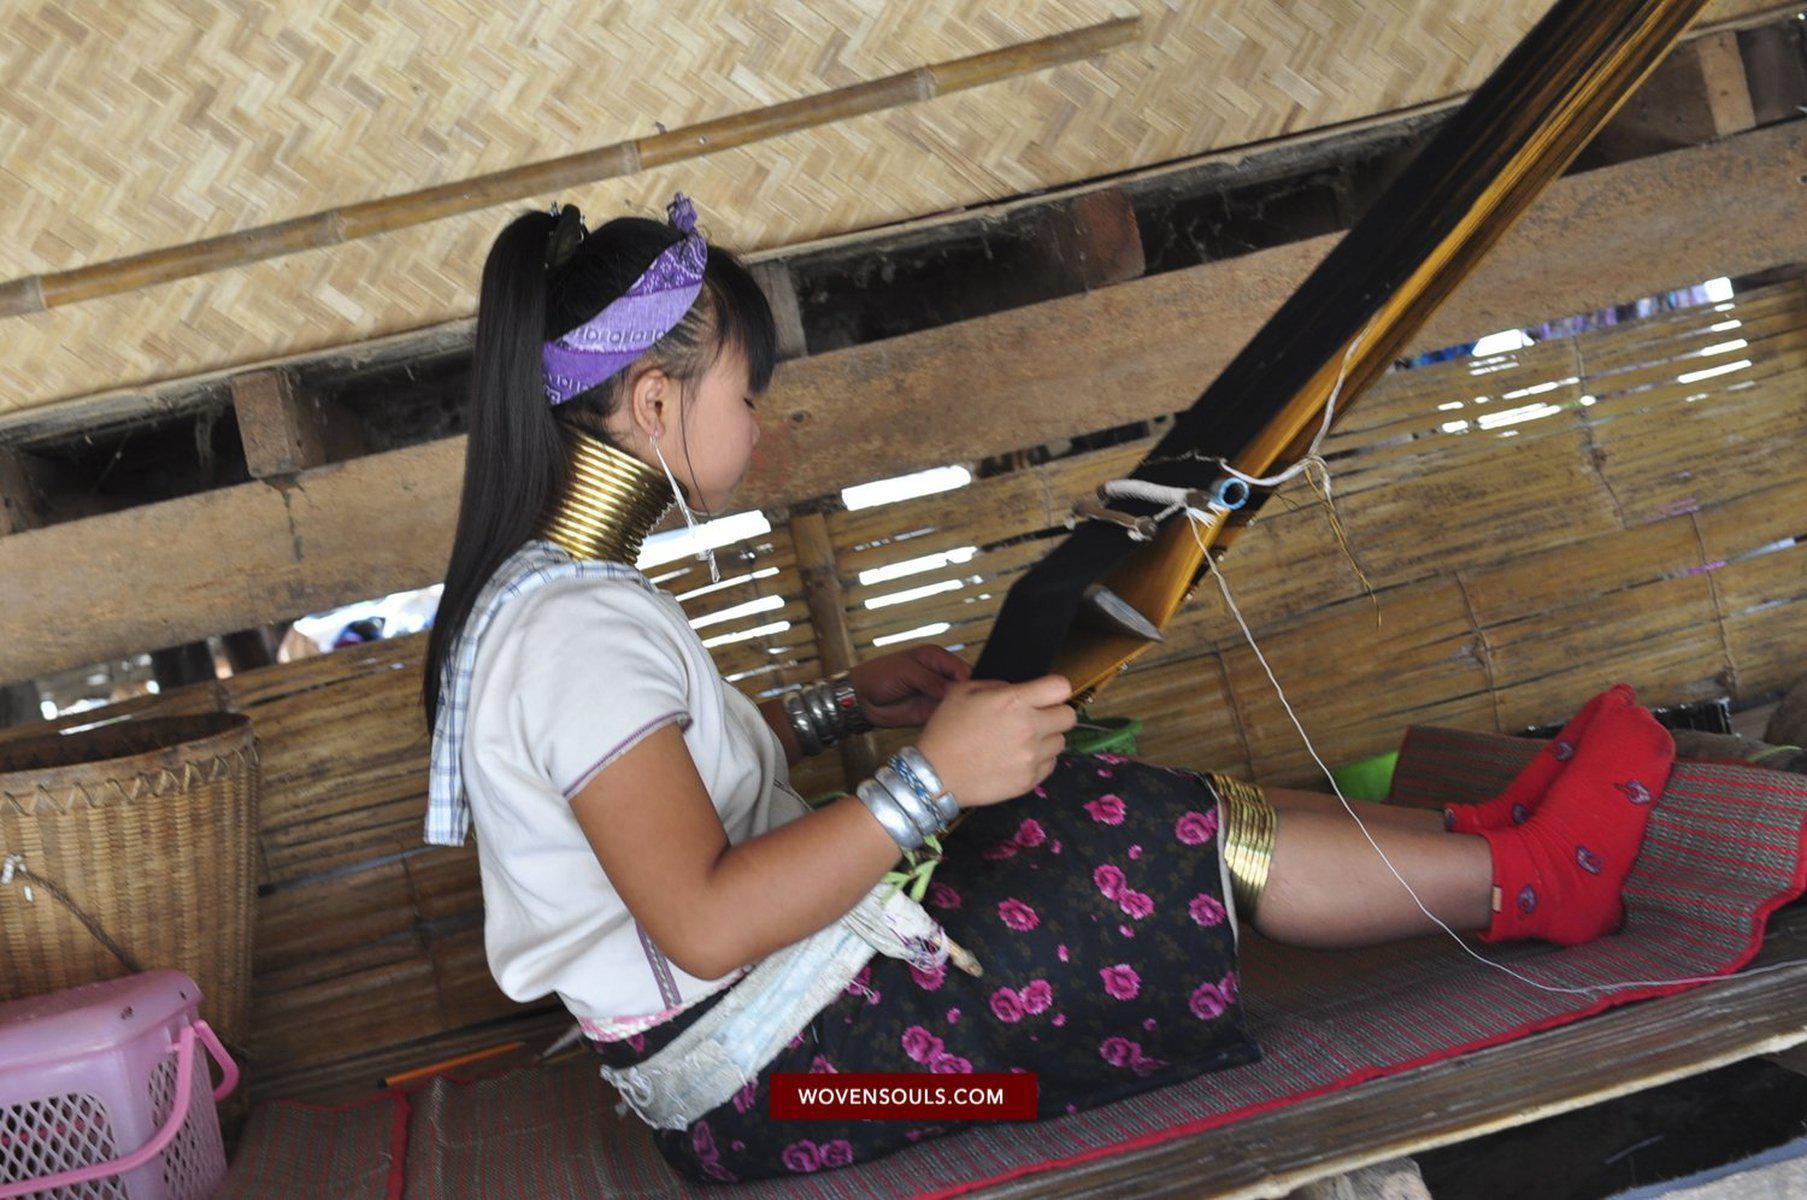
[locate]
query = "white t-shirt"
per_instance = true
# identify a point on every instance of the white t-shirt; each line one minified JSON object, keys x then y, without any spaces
{"x":568,"y":678}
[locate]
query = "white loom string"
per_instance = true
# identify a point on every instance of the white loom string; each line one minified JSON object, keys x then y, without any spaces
{"x":1195,"y":517}
{"x":1175,"y":499}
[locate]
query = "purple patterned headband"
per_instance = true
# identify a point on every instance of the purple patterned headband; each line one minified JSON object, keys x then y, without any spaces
{"x":624,"y":330}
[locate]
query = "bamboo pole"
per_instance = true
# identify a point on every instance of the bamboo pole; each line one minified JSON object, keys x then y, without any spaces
{"x":828,"y":617}
{"x":351,"y":222}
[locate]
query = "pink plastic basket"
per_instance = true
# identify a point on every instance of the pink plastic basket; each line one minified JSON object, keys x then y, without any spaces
{"x":104,"y":1097}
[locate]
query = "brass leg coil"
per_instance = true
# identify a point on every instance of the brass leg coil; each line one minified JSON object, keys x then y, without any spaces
{"x":1248,"y":839}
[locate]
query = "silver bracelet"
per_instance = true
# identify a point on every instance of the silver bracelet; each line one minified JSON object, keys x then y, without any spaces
{"x":801,"y":725}
{"x":846,"y":703}
{"x":821,"y":711}
{"x":928,"y":822}
{"x":913,"y":762}
{"x":825,"y":712}
{"x":891,"y":817}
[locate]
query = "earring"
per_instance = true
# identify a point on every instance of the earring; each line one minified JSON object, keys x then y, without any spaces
{"x":708,"y":552}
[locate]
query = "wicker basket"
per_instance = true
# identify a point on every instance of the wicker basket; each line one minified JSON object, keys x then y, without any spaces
{"x":146,"y":827}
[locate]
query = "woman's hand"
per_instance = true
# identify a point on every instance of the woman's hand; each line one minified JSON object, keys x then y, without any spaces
{"x":990,"y":740}
{"x":905,"y":688}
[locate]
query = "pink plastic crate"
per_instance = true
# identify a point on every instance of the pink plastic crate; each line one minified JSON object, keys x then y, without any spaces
{"x":104,"y":1095}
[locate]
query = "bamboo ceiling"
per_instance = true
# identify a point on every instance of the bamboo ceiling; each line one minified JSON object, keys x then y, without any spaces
{"x":127,"y":129}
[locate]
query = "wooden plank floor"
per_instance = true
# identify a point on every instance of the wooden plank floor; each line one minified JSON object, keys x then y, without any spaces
{"x":1597,"y":1059}
{"x":1602,"y":1057}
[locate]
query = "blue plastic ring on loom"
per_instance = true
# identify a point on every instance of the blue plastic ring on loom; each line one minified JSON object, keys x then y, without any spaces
{"x":1230,"y":492}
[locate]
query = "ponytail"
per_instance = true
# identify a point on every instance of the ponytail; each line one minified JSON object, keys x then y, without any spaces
{"x":514,"y":460}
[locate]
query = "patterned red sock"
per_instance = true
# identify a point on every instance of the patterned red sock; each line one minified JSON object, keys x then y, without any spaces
{"x":1558,"y":876}
{"x":1522,"y":796}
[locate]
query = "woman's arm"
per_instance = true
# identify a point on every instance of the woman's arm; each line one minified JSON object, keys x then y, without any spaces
{"x":775,"y":716}
{"x":712,"y":906}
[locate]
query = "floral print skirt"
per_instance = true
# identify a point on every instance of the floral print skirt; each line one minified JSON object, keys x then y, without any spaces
{"x":1099,"y":909}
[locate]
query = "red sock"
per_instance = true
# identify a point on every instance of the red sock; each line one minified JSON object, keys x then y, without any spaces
{"x":1522,"y":796}
{"x":1558,"y":876}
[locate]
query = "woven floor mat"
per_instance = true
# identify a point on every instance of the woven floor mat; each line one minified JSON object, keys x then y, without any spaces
{"x":1724,"y":849}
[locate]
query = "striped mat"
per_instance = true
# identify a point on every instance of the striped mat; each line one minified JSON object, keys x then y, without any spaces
{"x":1724,"y":849}
{"x":295,"y":1150}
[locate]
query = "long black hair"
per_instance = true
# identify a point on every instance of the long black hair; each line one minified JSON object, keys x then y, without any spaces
{"x":515,"y":462}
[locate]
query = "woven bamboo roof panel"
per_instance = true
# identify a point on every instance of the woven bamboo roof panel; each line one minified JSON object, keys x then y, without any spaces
{"x":128,"y":129}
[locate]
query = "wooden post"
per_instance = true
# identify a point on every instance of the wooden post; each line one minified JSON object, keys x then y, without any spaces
{"x":1093,"y":238}
{"x":1728,"y":91}
{"x":828,"y":614}
{"x":20,"y":509}
{"x":21,"y":505}
{"x":285,"y":430}
{"x":774,"y":279}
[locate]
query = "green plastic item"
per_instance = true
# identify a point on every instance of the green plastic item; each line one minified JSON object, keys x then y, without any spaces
{"x":1111,"y":735}
{"x":1367,"y":779}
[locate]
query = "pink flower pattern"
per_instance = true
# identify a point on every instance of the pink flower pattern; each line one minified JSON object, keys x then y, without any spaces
{"x":929,"y":981}
{"x":1207,"y":910}
{"x":1050,"y":940}
{"x":1121,"y":981}
{"x":1107,"y":809}
{"x":1196,"y":828}
{"x":1136,"y":904}
{"x":1017,"y":915}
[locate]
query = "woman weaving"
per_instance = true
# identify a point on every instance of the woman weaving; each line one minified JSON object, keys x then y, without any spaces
{"x":644,"y":856}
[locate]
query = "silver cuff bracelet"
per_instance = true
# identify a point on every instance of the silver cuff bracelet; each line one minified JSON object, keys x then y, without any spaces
{"x":920,"y":810}
{"x":823,"y":713}
{"x":895,"y":821}
{"x":801,"y":725}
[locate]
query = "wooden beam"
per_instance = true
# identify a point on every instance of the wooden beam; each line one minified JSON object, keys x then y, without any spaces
{"x":258,"y":553}
{"x":286,"y":428}
{"x":1728,"y":92}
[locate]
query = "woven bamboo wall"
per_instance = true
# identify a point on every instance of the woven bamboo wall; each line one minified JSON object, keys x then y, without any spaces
{"x":131,"y":128}
{"x":1639,"y":529}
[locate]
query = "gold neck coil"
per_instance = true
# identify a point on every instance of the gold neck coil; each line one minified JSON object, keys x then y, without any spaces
{"x":610,"y":504}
